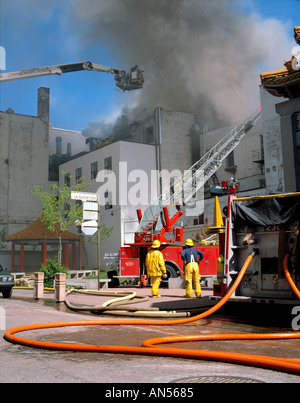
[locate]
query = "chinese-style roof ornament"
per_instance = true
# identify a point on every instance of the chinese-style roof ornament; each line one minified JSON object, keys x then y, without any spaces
{"x":286,"y":82}
{"x":297,"y":35}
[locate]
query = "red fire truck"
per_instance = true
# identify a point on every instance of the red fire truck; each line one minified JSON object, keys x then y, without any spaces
{"x":132,"y":256}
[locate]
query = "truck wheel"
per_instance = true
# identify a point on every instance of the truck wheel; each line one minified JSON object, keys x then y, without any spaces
{"x":171,"y":272}
{"x":7,"y":293}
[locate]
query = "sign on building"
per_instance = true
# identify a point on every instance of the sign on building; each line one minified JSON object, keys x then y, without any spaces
{"x":84,"y":196}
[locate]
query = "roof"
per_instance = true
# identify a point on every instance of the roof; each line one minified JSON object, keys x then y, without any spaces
{"x":297,"y":35}
{"x":38,"y":231}
{"x":284,"y":82}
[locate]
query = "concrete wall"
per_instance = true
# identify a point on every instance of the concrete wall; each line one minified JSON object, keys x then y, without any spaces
{"x":173,"y":133}
{"x":176,"y":144}
{"x":274,"y":169}
{"x":290,"y":158}
{"x":23,"y":164}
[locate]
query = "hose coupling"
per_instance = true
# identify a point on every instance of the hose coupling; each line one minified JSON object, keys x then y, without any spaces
{"x":255,"y":252}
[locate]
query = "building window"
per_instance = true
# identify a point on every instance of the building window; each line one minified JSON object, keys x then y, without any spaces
{"x":149,"y":135}
{"x":78,"y":175}
{"x":108,"y":164}
{"x":94,"y":170}
{"x":230,"y":160}
{"x":67,"y":179}
{"x":297,"y":121}
{"x":67,"y":209}
{"x":199,"y":220}
{"x":108,"y":200}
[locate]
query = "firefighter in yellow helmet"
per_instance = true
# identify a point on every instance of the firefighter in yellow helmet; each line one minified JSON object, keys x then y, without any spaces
{"x":156,"y":268}
{"x":190,"y":258}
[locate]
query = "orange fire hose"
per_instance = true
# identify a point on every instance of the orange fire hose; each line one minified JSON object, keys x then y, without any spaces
{"x":149,"y":346}
{"x":289,"y":277}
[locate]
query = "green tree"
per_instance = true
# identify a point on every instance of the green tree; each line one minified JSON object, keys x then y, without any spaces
{"x":52,"y":267}
{"x":59,"y":213}
{"x":105,"y":233}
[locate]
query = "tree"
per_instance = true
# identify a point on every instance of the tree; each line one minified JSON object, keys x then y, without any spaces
{"x":58,"y":211}
{"x":105,"y":233}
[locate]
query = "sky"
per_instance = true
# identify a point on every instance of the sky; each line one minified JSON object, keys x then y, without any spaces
{"x":198,"y":56}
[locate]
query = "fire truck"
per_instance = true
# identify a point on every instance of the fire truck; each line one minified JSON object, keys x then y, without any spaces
{"x":158,"y":221}
{"x":269,"y":226}
{"x":132,"y":256}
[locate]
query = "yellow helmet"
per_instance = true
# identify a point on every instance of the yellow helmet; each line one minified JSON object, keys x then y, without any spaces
{"x":156,"y":244}
{"x":189,"y":242}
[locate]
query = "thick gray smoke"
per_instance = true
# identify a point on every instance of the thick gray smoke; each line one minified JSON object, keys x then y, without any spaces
{"x":198,"y":56}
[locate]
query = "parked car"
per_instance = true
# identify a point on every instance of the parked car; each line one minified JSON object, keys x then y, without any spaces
{"x":6,"y":282}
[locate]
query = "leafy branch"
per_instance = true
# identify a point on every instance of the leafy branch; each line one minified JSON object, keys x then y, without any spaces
{"x":58,"y":211}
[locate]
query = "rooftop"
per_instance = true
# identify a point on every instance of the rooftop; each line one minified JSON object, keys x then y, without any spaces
{"x":284,"y":82}
{"x":38,"y":231}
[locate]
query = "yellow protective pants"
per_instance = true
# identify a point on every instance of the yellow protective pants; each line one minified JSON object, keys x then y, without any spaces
{"x":192,"y":275}
{"x":155,"y":280}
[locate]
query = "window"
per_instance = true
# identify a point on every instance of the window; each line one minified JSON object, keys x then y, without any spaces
{"x":297,"y":121}
{"x":108,"y":200}
{"x":67,"y":209}
{"x":94,"y":170}
{"x":108,"y":164}
{"x":230,"y":160}
{"x":78,"y":175}
{"x":149,"y":135}
{"x":67,"y":179}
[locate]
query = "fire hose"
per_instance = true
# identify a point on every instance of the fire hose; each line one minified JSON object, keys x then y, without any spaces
{"x":119,"y":306}
{"x":149,"y":347}
{"x":289,"y":277}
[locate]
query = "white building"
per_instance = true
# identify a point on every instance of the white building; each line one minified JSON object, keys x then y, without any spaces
{"x":117,"y":172}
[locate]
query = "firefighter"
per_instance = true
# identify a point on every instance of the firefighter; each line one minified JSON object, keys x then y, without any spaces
{"x":190,"y":258}
{"x":156,"y":268}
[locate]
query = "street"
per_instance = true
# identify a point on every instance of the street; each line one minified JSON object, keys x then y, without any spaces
{"x":22,"y":364}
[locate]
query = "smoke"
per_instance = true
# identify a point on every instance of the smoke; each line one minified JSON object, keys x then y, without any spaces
{"x":198,"y":56}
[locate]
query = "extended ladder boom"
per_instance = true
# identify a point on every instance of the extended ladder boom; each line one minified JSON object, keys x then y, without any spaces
{"x":125,"y":81}
{"x":193,"y":179}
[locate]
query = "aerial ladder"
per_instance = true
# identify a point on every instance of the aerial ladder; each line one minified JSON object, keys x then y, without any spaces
{"x":126,"y":81}
{"x":165,"y":211}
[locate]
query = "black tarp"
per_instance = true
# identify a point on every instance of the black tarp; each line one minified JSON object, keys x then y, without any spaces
{"x":274,"y":211}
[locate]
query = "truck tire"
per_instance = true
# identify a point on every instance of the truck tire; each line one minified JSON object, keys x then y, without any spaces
{"x":171,"y":272}
{"x":7,"y":293}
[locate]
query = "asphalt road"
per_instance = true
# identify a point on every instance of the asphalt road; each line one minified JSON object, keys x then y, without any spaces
{"x":20,"y":364}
